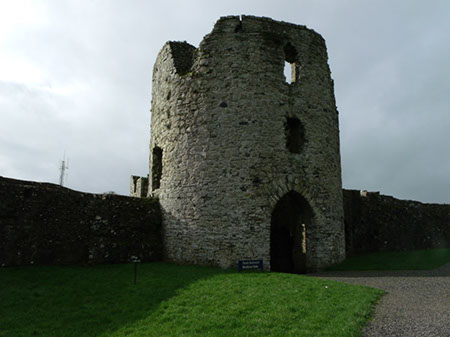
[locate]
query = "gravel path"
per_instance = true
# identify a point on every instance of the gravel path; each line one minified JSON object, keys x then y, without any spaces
{"x":417,"y":303}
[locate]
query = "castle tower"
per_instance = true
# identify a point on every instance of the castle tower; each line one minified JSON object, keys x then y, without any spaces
{"x":245,"y":164}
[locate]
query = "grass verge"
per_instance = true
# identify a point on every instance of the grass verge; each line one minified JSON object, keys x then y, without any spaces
{"x":170,"y":300}
{"x":411,"y":260}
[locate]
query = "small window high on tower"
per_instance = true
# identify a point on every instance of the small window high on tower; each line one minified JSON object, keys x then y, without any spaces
{"x":291,"y":65}
{"x":288,"y":72}
{"x":295,"y":135}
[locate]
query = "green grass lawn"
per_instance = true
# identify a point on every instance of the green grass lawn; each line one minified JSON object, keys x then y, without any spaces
{"x":412,"y":260}
{"x":171,"y":300}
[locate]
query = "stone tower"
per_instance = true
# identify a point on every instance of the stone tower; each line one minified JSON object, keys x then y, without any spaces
{"x":246,"y":164}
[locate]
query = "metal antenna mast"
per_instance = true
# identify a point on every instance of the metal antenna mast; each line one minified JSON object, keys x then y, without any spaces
{"x":63,"y":169}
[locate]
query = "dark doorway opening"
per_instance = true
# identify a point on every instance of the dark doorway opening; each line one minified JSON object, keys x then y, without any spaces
{"x":291,"y":218}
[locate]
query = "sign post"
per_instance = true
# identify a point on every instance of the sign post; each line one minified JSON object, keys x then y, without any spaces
{"x":135,"y":261}
{"x":250,"y":265}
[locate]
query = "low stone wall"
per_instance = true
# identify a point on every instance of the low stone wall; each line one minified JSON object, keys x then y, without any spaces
{"x":42,"y":223}
{"x":377,"y":222}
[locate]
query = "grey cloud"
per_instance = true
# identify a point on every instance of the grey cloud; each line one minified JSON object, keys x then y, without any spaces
{"x":390,"y":62}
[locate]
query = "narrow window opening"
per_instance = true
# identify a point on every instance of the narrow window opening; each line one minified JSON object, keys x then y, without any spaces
{"x":295,"y":135}
{"x":291,"y":64}
{"x":156,"y":167}
{"x":288,"y":72}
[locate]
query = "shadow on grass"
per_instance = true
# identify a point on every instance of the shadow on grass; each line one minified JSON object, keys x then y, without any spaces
{"x":87,"y":301}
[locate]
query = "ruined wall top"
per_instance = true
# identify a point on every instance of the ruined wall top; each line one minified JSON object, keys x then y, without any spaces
{"x":286,"y":41}
{"x":252,"y":24}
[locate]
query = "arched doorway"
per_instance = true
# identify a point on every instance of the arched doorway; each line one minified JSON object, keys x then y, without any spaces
{"x":291,"y":218}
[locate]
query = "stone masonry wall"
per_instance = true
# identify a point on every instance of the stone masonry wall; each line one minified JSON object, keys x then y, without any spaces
{"x":43,"y":223}
{"x":138,"y":186}
{"x":382,"y":223}
{"x":219,"y":159}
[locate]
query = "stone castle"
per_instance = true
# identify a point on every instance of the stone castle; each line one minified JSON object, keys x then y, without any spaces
{"x":246,"y":165}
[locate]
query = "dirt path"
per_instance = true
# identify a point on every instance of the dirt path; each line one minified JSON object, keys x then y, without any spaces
{"x":417,"y":303}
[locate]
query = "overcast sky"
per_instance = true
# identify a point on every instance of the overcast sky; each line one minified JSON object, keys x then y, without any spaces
{"x":75,"y":77}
